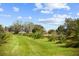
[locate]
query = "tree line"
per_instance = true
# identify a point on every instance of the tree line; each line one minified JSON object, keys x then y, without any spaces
{"x":67,"y":33}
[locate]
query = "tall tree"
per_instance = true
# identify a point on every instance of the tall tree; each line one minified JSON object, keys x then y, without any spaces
{"x":71,"y":28}
{"x":17,"y":26}
{"x":51,"y":31}
{"x":1,"y":34}
{"x":38,"y":28}
{"x":28,"y":26}
{"x":38,"y":31}
{"x":61,"y":33}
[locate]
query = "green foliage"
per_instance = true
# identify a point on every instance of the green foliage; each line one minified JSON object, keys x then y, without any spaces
{"x":1,"y":38}
{"x":37,"y":35}
{"x":51,"y":31}
{"x":28,"y":27}
{"x":4,"y":37}
{"x":61,"y":38}
{"x":72,"y":32}
{"x":60,"y":29}
{"x":50,"y":38}
{"x":1,"y":29}
{"x":61,"y":34}
{"x":1,"y":34}
{"x":29,"y":47}
{"x":38,"y":28}
{"x":28,"y":34}
{"x":69,"y":32}
{"x":37,"y":31}
{"x":16,"y":27}
{"x":7,"y":36}
{"x":71,"y":43}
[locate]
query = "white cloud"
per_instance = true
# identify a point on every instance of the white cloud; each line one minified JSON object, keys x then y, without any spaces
{"x":57,"y":19}
{"x":15,"y":9}
{"x":77,"y":14}
{"x":19,"y":17}
{"x":49,"y":7}
{"x":5,"y":15}
{"x":38,"y":6}
{"x":58,"y":6}
{"x":46,"y":11}
{"x":24,"y":17}
{"x":29,"y":17}
{"x":1,"y":9}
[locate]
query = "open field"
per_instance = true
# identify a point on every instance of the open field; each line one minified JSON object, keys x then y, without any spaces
{"x":39,"y":29}
{"x":25,"y":46}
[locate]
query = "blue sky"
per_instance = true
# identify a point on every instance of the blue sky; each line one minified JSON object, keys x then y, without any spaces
{"x":49,"y":15}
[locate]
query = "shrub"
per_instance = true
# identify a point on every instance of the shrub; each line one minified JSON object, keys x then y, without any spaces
{"x":29,"y":34}
{"x":4,"y":37}
{"x":73,"y":44}
{"x":24,"y":34}
{"x":1,"y":38}
{"x":58,"y":41}
{"x":7,"y":35}
{"x":37,"y":35}
{"x":50,"y":38}
{"x":61,"y":38}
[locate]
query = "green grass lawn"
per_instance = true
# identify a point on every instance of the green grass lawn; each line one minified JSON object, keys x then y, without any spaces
{"x":25,"y":46}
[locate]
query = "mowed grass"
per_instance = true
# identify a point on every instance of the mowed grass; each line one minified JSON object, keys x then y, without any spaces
{"x":26,"y":46}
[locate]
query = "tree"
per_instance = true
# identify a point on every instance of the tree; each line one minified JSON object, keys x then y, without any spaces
{"x":38,"y":28}
{"x":1,"y":34}
{"x":4,"y":35}
{"x":6,"y":28}
{"x":52,"y":35}
{"x":28,"y":27}
{"x":1,"y":29}
{"x":61,"y":33}
{"x":51,"y":31}
{"x":71,"y":31}
{"x":38,"y":31}
{"x":11,"y":28}
{"x":77,"y":28}
{"x":71,"y":26}
{"x":16,"y":27}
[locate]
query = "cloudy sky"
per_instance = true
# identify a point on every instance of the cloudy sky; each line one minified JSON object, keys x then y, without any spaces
{"x":49,"y":15}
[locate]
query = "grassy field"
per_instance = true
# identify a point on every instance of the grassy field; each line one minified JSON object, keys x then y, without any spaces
{"x":25,"y":46}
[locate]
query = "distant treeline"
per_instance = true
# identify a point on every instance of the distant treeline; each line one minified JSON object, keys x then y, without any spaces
{"x":67,"y":33}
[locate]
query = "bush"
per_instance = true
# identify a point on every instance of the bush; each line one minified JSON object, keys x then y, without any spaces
{"x":7,"y":36}
{"x":37,"y":35}
{"x":61,"y":38}
{"x":1,"y":38}
{"x":73,"y":44}
{"x":28,"y":34}
{"x":58,"y":41}
{"x":4,"y":37}
{"x":50,"y":38}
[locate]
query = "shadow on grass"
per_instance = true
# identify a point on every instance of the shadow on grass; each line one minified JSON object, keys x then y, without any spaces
{"x":74,"y":50}
{"x":67,"y":46}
